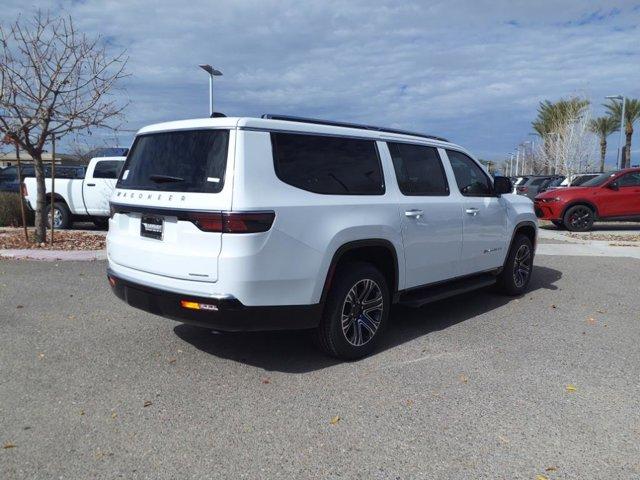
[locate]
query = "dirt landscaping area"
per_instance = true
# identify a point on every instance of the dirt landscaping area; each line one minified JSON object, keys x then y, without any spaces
{"x":13,"y":238}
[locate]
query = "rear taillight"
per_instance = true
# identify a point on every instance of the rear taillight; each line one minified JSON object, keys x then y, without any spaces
{"x":233,"y":222}
{"x":23,"y":190}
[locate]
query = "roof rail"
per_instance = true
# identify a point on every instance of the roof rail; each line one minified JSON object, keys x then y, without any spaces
{"x":291,"y":118}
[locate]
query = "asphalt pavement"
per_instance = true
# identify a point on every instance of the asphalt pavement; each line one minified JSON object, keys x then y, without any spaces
{"x":477,"y":386}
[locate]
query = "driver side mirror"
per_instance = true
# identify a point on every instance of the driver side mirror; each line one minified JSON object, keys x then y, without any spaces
{"x":502,"y":185}
{"x":614,"y":186}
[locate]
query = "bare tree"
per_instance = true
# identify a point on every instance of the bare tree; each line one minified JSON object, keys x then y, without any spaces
{"x":54,"y":81}
{"x":570,"y":145}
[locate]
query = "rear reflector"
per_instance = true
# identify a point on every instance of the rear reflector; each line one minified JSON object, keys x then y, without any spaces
{"x":233,"y":222}
{"x":197,"y":306}
{"x":112,"y":281}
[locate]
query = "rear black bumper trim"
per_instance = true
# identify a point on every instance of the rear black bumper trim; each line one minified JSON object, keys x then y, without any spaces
{"x":231,"y":315}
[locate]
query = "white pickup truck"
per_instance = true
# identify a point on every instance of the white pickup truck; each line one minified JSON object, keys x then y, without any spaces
{"x":86,"y":197}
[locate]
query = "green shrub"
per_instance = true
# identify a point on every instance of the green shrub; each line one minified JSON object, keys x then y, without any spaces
{"x":10,"y":210}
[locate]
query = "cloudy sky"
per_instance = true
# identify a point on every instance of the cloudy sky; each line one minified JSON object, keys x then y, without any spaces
{"x":472,"y":71}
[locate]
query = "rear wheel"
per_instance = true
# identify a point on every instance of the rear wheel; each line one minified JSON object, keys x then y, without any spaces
{"x":516,"y":273}
{"x":356,"y":312}
{"x":579,"y":218}
{"x":61,"y":216}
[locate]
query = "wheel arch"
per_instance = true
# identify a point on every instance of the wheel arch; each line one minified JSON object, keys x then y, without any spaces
{"x":56,"y":198}
{"x":378,"y":251}
{"x":526,"y":227}
{"x":574,"y":203}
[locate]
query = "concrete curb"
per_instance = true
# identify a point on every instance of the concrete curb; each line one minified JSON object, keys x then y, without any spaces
{"x":55,"y":255}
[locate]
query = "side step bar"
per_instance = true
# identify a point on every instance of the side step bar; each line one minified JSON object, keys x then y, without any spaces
{"x":428,"y":294}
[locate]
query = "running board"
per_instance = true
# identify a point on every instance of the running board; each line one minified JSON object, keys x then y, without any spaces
{"x":422,"y":296}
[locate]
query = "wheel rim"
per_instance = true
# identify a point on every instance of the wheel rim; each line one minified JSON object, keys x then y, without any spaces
{"x":57,"y":218}
{"x":522,"y":266}
{"x":362,"y":312}
{"x":580,"y":218}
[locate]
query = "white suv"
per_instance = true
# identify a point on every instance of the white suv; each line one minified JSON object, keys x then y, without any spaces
{"x":283,"y":222}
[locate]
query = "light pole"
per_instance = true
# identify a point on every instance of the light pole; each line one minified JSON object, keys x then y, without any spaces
{"x":212,"y":73}
{"x":620,"y":149}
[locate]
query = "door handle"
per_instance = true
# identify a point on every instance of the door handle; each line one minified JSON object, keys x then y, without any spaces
{"x":472,"y":211}
{"x":91,"y":184}
{"x":415,"y":213}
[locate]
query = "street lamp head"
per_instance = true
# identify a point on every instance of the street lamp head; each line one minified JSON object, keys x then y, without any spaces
{"x":615,"y":97}
{"x":210,"y":70}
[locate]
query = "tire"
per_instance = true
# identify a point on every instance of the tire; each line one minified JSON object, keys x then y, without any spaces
{"x":579,"y":218}
{"x":558,"y":223}
{"x":354,"y":283}
{"x":62,"y":216}
{"x":516,"y":273}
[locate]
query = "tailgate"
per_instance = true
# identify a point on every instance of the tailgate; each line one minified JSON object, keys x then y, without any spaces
{"x":171,"y":183}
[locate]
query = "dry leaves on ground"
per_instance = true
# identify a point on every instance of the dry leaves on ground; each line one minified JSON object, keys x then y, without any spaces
{"x":13,"y":239}
{"x":334,"y":420}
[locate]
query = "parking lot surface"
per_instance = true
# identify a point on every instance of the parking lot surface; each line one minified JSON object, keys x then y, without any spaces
{"x":477,"y":386}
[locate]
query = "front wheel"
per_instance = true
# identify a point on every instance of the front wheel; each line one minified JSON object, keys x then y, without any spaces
{"x":516,"y":273}
{"x":61,"y":216}
{"x":579,"y":218}
{"x":356,"y":312}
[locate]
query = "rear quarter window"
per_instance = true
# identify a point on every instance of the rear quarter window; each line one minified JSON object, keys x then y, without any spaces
{"x":328,"y":165}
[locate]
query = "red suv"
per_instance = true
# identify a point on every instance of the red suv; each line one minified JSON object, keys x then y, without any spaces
{"x":609,"y":196}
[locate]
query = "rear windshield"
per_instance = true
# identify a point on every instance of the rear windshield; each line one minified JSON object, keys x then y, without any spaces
{"x":582,"y":180}
{"x":182,"y":161}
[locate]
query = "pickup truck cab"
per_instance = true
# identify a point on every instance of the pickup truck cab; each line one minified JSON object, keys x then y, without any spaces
{"x":280,"y":222}
{"x":75,"y":198}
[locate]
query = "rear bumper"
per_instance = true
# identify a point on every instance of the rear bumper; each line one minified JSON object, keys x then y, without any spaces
{"x":230,"y":314}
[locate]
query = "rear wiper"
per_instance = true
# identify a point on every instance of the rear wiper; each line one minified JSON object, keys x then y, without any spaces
{"x":165,"y":178}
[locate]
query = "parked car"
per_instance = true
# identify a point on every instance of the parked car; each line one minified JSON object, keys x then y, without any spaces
{"x":9,"y":181}
{"x":288,"y":223}
{"x":551,"y":183}
{"x":86,"y":196}
{"x":530,"y":185}
{"x":609,"y":196}
{"x":578,"y":179}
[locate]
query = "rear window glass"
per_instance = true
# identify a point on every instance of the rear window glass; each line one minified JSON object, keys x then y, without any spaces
{"x":328,"y":165}
{"x":182,"y":161}
{"x":538,"y":181}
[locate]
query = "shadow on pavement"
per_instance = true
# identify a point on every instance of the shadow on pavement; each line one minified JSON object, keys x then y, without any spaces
{"x":294,"y":351}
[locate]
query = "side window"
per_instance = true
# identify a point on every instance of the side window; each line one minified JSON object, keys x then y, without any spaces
{"x":471,"y":179}
{"x":630,"y":180}
{"x":108,"y":169}
{"x":328,"y":165}
{"x":418,"y":169}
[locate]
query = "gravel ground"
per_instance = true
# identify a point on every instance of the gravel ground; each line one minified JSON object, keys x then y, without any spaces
{"x":479,"y":386}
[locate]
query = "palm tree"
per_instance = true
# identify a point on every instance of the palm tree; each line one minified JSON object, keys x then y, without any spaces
{"x":631,"y":115}
{"x":553,"y":116}
{"x":603,"y":127}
